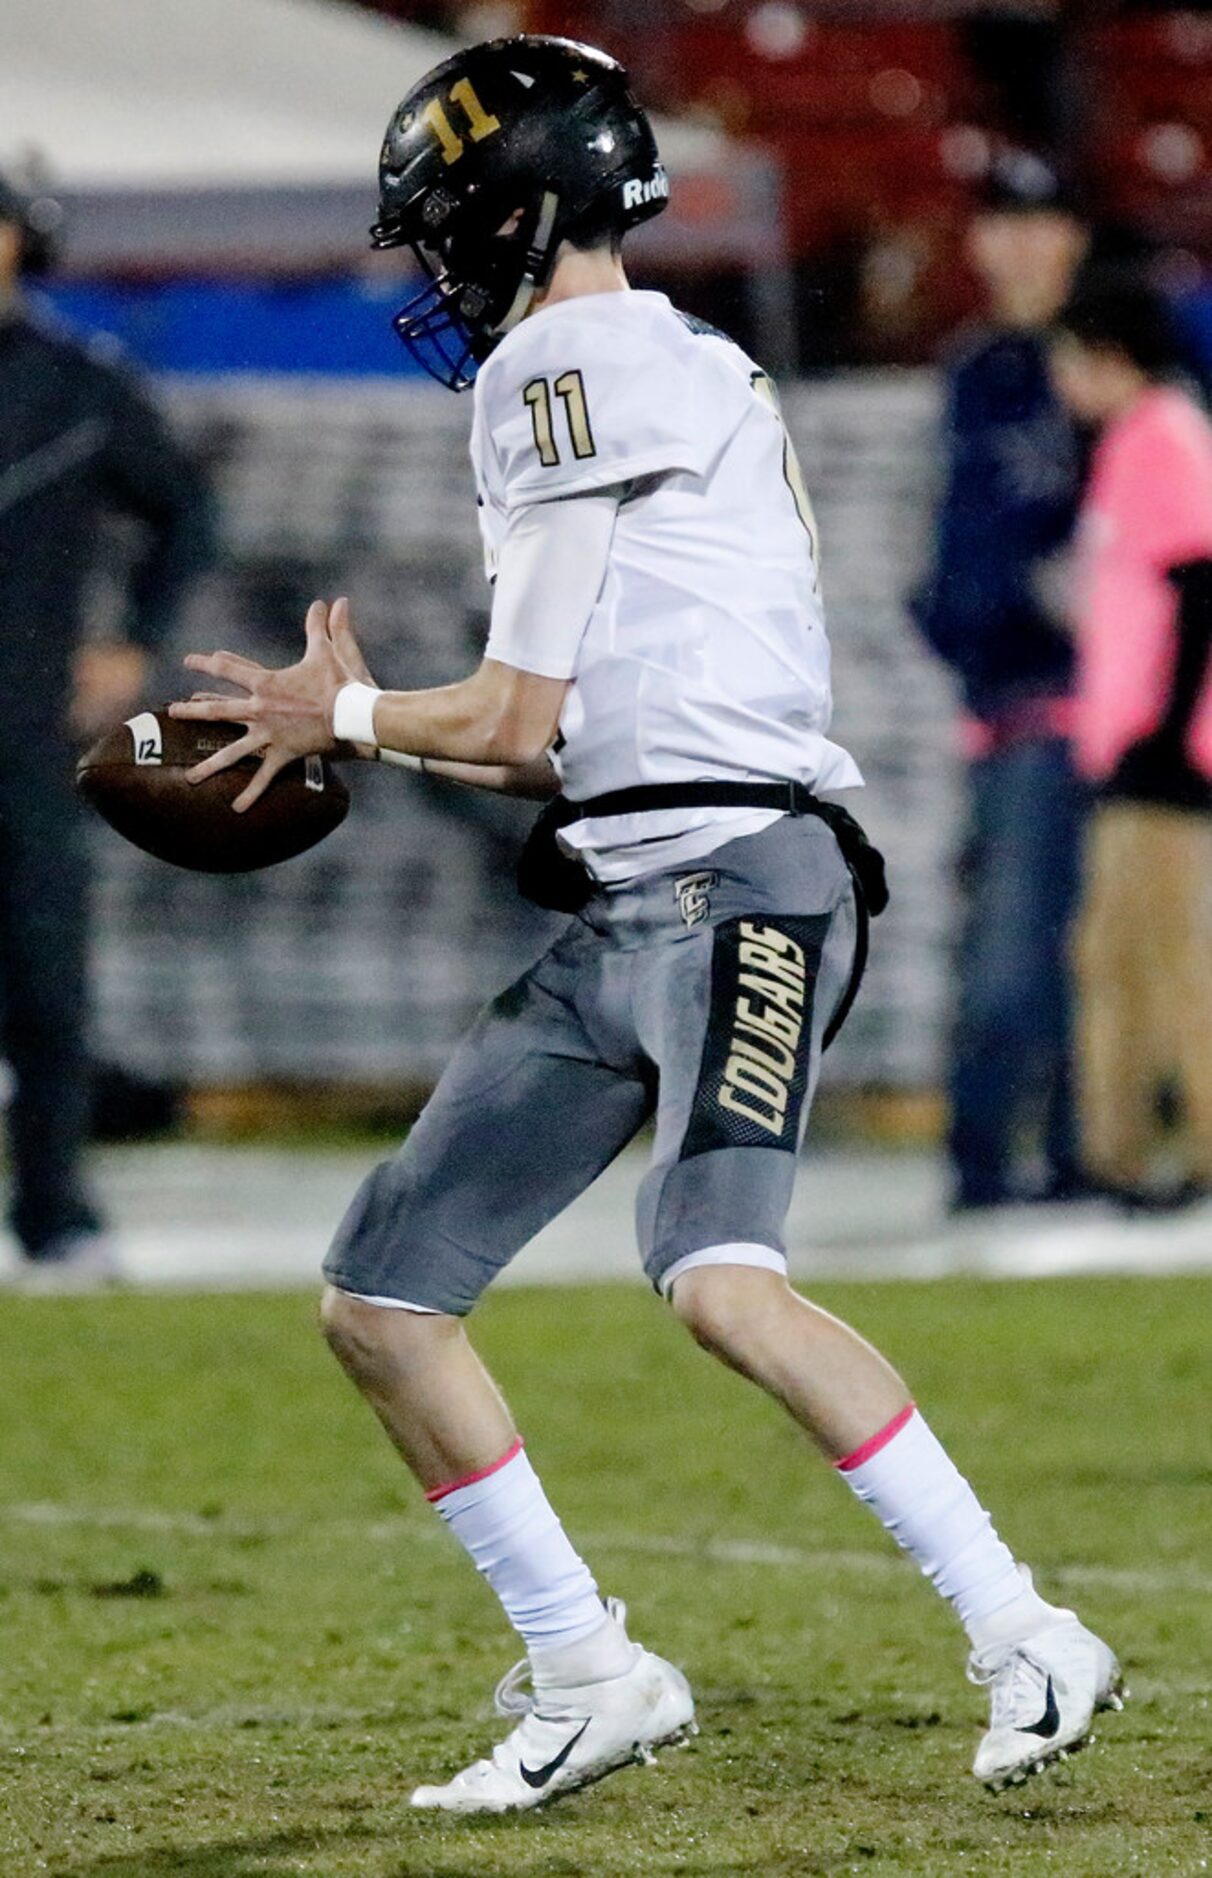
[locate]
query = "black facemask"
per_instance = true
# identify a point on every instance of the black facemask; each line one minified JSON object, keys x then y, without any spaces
{"x":435,"y":335}
{"x":479,"y":286}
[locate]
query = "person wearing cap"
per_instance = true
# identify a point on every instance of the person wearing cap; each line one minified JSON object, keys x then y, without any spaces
{"x":992,"y":608}
{"x":79,"y":442}
{"x":1142,"y":737}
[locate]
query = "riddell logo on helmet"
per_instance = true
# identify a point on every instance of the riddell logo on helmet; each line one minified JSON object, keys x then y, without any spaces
{"x":638,"y":190}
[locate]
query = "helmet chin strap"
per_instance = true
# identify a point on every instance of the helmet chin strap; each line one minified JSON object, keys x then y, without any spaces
{"x":538,"y":259}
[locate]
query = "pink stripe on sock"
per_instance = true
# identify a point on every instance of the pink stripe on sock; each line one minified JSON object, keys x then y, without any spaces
{"x":481,"y":1473}
{"x":876,"y":1442}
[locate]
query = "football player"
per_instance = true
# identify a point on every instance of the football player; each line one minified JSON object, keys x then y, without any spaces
{"x":658,"y":653}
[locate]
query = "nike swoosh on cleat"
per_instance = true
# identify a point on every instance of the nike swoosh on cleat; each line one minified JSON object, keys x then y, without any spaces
{"x":1049,"y":1721}
{"x":538,"y":1777}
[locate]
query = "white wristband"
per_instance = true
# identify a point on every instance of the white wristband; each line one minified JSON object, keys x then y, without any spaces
{"x":353,"y":714}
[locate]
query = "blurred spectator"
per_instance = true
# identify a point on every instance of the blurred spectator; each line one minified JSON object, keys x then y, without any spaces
{"x":992,"y":612}
{"x":78,"y":442}
{"x":1143,"y":734}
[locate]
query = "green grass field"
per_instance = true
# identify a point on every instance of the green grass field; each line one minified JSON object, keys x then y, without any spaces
{"x":232,"y":1637}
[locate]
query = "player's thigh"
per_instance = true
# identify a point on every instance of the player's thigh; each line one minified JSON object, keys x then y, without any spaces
{"x":737,"y":1015}
{"x":524,"y":1118}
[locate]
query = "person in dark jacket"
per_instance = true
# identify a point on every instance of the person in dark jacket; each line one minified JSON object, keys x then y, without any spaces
{"x":78,"y":442}
{"x":992,"y":609}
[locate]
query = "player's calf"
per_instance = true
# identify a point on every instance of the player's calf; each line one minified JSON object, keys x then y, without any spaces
{"x":835,"y":1385}
{"x":425,"y":1383}
{"x":1047,"y":1673}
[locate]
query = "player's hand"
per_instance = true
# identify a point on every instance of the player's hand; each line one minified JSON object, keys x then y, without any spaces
{"x":287,"y":714}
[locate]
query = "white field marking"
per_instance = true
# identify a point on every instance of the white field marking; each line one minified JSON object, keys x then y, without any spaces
{"x":226,"y":1715}
{"x":204,"y":1526}
{"x":726,"y":1552}
{"x":140,"y":1519}
{"x":801,"y":1558}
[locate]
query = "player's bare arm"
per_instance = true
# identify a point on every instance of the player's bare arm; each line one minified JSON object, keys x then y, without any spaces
{"x":500,"y":716}
{"x":493,"y":728}
{"x":536,"y":781}
{"x":533,"y":782}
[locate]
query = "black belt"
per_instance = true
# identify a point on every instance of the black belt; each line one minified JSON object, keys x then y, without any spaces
{"x":865,"y":863}
{"x":791,"y":797}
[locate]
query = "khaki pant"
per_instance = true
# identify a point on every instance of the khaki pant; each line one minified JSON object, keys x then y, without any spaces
{"x":1144,"y":975}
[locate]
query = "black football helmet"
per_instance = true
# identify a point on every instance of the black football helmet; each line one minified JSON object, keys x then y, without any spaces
{"x":538,"y":136}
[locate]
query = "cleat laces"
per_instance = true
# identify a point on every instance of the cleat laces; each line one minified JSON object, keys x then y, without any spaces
{"x":511,"y":1696}
{"x":1016,"y":1685}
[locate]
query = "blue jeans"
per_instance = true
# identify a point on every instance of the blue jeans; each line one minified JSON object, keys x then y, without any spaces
{"x":1011,"y":1050}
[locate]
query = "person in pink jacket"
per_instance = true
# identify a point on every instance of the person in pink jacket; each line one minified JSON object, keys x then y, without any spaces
{"x":1143,"y":739}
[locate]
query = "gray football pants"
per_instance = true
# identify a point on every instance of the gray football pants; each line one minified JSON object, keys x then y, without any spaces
{"x":698,"y":996}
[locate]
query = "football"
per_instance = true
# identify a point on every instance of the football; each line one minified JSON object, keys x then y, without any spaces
{"x":135,"y":777}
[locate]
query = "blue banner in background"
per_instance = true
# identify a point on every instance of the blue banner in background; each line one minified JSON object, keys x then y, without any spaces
{"x":1195,"y":324}
{"x":339,"y":327}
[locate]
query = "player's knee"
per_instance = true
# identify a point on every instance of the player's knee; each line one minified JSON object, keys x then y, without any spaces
{"x":719,"y":1303}
{"x":344,"y":1330}
{"x":371,"y":1341}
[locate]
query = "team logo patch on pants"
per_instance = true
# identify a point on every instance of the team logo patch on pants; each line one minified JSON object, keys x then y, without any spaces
{"x":758,"y":1047}
{"x":693,"y":895}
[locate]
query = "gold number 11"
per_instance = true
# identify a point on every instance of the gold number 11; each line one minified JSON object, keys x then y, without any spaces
{"x":480,"y":122}
{"x":570,"y":387}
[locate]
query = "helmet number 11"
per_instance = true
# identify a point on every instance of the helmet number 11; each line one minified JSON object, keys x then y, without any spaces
{"x":480,"y":122}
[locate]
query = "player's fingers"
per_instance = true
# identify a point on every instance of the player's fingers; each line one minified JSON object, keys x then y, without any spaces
{"x":230,"y":665}
{"x":217,"y":710}
{"x":230,"y":754}
{"x":271,"y":764}
{"x":207,"y":710}
{"x":316,"y":624}
{"x":346,"y":647}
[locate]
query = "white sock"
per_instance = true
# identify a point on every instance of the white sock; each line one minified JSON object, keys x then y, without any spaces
{"x":907,"y":1479}
{"x":505,"y":1522}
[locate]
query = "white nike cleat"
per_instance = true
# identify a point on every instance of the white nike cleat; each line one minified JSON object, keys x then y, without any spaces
{"x":570,"y":1737}
{"x":1044,"y":1693}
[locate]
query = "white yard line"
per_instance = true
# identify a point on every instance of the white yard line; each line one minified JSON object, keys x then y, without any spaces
{"x":1154,"y":1581}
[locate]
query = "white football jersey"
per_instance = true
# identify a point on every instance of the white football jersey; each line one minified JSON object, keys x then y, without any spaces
{"x":705,"y":654}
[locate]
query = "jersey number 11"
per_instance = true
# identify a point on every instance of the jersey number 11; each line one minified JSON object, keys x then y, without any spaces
{"x":570,"y":389}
